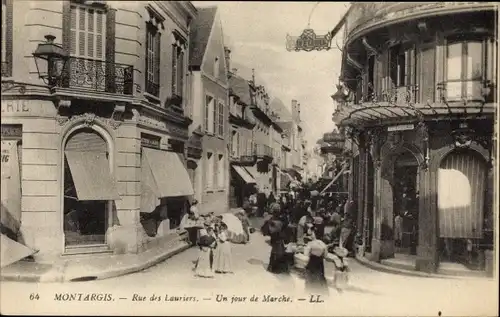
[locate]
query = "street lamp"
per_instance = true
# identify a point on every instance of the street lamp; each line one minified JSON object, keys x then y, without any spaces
{"x":340,"y":96}
{"x":50,"y":60}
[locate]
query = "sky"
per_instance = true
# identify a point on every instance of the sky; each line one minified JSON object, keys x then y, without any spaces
{"x":256,"y":34}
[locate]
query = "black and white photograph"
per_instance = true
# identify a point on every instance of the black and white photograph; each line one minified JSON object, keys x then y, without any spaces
{"x":249,"y":158}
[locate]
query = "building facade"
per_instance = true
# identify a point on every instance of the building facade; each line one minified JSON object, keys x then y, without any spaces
{"x":417,"y":103}
{"x":104,"y":130}
{"x":210,"y":104}
{"x":242,"y":148}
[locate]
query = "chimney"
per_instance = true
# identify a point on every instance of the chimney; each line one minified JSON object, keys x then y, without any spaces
{"x":227,"y":58}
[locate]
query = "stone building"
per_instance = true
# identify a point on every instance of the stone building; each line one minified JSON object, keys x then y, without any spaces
{"x":208,"y":149}
{"x":417,"y":100}
{"x":99,"y":121}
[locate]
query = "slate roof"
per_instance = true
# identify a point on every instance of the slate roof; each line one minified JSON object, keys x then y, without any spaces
{"x":279,"y":107}
{"x":240,"y":88}
{"x":200,"y":32}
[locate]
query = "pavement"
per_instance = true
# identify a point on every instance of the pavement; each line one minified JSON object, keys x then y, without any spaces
{"x":94,"y":267}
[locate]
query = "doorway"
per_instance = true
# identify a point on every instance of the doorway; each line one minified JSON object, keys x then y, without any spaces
{"x":85,"y":218}
{"x":462,"y":178}
{"x":405,"y":202}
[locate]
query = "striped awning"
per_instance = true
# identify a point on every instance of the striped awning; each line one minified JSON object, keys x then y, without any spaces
{"x":91,"y":176}
{"x":244,"y":174}
{"x":170,"y":176}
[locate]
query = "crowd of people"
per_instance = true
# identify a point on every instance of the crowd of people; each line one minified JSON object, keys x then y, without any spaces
{"x":296,"y":225}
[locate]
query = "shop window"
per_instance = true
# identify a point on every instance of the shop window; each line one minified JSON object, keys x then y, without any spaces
{"x":465,"y":64}
{"x":89,"y":189}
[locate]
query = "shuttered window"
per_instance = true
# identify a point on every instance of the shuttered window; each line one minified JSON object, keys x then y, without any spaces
{"x":153,"y":42}
{"x":88,"y":32}
{"x":209,"y":114}
{"x":215,"y":117}
{"x":177,"y":70}
{"x":427,"y":72}
{"x":221,"y":119}
{"x":7,"y":18}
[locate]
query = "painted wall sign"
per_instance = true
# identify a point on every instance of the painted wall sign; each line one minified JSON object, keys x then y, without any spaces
{"x":157,"y":122}
{"x":151,"y":141}
{"x":402,"y":127}
{"x":12,"y":131}
{"x":309,"y":41}
{"x":15,"y":106}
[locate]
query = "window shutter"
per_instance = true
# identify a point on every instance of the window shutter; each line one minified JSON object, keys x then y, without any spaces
{"x":215,"y":115}
{"x":81,"y":32}
{"x":174,"y":69}
{"x":427,"y":63}
{"x":157,"y":58}
{"x":8,"y":33}
{"x":180,"y":71}
{"x":148,"y":57}
{"x":111,"y":78}
{"x":207,"y":103}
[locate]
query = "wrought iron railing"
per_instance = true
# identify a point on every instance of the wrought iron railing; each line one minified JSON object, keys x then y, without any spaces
{"x":466,"y":90}
{"x":5,"y":69}
{"x":97,"y":76}
{"x":396,"y":95}
{"x":262,"y":150}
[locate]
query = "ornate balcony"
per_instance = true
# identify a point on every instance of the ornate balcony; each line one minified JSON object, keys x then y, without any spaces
{"x":97,"y":76}
{"x":243,"y":157}
{"x":264,"y":151}
{"x":466,"y":91}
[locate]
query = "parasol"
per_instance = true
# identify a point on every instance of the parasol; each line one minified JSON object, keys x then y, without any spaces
{"x":13,"y":251}
{"x":234,"y":228}
{"x":314,"y":193}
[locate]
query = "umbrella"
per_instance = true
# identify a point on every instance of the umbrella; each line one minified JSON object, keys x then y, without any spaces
{"x":314,"y":193}
{"x":234,"y":228}
{"x":13,"y":251}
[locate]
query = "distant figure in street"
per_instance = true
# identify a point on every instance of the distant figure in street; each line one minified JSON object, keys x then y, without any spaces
{"x":398,"y":230}
{"x":222,"y":255}
{"x":271,"y":199}
{"x":261,"y":203}
{"x":302,"y":227}
{"x":276,"y":229}
{"x":347,"y":223}
{"x":316,"y":282}
{"x":245,"y":222}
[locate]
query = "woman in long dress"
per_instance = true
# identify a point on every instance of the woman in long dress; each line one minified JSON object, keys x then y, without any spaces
{"x":222,"y":255}
{"x":206,"y":243}
{"x":277,"y":261}
{"x":316,"y":282}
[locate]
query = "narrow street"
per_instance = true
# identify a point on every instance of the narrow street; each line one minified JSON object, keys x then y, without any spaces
{"x":368,"y":291}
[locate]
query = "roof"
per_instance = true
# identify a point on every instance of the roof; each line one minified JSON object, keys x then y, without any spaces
{"x":200,"y":32}
{"x":240,"y":88}
{"x":279,"y":107}
{"x":287,"y":126}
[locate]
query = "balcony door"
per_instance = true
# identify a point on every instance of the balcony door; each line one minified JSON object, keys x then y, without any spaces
{"x":87,"y":63}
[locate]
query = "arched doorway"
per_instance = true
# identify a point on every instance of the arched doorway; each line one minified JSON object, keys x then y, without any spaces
{"x":89,"y":189}
{"x":462,"y":183}
{"x":405,"y":203}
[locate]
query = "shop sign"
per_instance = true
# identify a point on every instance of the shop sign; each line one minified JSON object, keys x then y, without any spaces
{"x":401,"y":127}
{"x":12,"y":131}
{"x":150,"y":141}
{"x":15,"y":106}
{"x":308,"y":41}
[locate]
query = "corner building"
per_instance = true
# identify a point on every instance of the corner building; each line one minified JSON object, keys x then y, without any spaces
{"x":417,"y":102}
{"x":101,"y":150}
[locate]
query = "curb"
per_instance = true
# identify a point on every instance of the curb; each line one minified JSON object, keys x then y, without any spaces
{"x":392,"y":270}
{"x":59,"y":276}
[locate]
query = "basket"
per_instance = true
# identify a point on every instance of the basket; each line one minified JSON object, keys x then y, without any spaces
{"x":300,"y":260}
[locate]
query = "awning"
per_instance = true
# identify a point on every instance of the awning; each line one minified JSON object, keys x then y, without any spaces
{"x":12,"y":251}
{"x":244,"y":174}
{"x":344,"y":168}
{"x":170,"y":177}
{"x":92,"y":176}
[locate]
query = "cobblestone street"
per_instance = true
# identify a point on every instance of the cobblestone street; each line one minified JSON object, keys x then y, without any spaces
{"x":369,"y":291}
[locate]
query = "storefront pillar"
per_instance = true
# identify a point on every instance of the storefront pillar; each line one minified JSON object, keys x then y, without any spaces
{"x":361,"y":188}
{"x":377,"y":215}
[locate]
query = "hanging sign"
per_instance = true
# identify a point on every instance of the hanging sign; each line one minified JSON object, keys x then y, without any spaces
{"x":402,"y":127}
{"x":151,"y":141}
{"x":308,"y":41}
